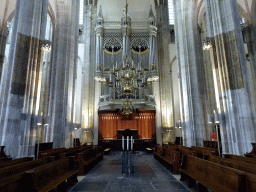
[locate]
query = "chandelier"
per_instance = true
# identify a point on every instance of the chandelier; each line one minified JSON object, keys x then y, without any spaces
{"x":127,"y":107}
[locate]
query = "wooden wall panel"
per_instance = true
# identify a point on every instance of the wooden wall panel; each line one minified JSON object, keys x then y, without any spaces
{"x":144,"y":122}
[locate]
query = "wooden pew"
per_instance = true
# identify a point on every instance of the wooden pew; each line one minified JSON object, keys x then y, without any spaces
{"x":15,"y":161}
{"x":248,"y":168}
{"x":14,"y":169}
{"x":107,"y":151}
{"x":243,"y":166}
{"x":3,"y":159}
{"x":240,"y":158}
{"x":49,"y":176}
{"x":204,"y":151}
{"x":253,"y":156}
{"x":12,"y":177}
{"x":88,"y":158}
{"x":169,"y":156}
{"x":71,"y":152}
{"x":12,"y":183}
{"x":212,"y":175}
{"x":253,"y":152}
{"x":2,"y":153}
{"x":186,"y":150}
{"x":52,"y":152}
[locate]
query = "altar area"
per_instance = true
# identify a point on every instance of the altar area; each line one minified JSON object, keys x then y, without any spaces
{"x":114,"y":125}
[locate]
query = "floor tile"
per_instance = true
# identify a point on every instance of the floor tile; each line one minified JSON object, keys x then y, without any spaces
{"x":149,"y":175}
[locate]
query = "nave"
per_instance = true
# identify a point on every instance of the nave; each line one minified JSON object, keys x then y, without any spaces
{"x":149,"y":175}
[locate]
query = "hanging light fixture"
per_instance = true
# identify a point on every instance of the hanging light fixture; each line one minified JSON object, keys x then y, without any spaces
{"x":127,"y":107}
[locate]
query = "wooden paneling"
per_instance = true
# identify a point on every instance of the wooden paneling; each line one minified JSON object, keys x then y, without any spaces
{"x":144,"y":122}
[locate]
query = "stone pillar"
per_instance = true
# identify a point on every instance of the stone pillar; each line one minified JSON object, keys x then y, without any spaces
{"x":250,"y":58}
{"x":99,"y":29}
{"x":235,"y":101}
{"x":163,"y":40}
{"x":3,"y":34}
{"x":63,"y":74}
{"x":19,"y":86}
{"x":191,"y":73}
{"x":88,"y":87}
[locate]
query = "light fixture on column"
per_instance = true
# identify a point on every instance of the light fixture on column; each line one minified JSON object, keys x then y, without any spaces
{"x":46,"y":46}
{"x":216,"y":117}
{"x":207,"y":44}
{"x":209,"y":118}
{"x":180,"y":124}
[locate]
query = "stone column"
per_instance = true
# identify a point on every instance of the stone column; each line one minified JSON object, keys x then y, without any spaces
{"x":233,"y":81}
{"x":99,"y":29}
{"x":62,"y":73}
{"x":250,"y":58}
{"x":88,"y":87}
{"x":3,"y":34}
{"x":19,"y":86}
{"x":163,"y":40}
{"x":191,"y":73}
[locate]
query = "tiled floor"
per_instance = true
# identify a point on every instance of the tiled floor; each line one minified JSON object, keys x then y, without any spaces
{"x":148,"y":176}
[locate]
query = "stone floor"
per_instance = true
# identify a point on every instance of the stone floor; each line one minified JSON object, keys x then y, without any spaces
{"x":149,"y":175}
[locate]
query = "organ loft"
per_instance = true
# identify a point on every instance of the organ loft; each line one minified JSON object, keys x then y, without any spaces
{"x":110,"y":87}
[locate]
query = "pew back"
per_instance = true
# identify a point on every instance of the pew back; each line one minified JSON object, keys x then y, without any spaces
{"x":240,"y":158}
{"x":48,"y":176}
{"x":212,"y":175}
{"x":16,"y":161}
{"x":14,"y":169}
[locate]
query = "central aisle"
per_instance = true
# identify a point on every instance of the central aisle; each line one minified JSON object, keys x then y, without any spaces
{"x":148,"y":176}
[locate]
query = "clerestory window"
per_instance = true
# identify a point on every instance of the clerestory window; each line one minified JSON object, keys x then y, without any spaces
{"x":171,"y":12}
{"x":81,"y":12}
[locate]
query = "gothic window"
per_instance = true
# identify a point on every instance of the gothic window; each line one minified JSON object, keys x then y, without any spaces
{"x":81,"y":12}
{"x":171,"y":12}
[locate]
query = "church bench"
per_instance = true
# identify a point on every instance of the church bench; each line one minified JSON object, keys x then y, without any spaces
{"x":14,"y":169}
{"x":149,"y":150}
{"x":71,"y":152}
{"x":248,"y":168}
{"x":211,"y":144}
{"x":240,"y":158}
{"x":243,"y":166}
{"x":12,"y":183}
{"x":52,"y":175}
{"x":106,"y":151}
{"x":88,"y":158}
{"x":211,"y":175}
{"x":186,"y":150}
{"x":52,"y":152}
{"x":3,"y":159}
{"x":253,"y":156}
{"x":15,"y":161}
{"x":202,"y":151}
{"x":168,"y":156}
